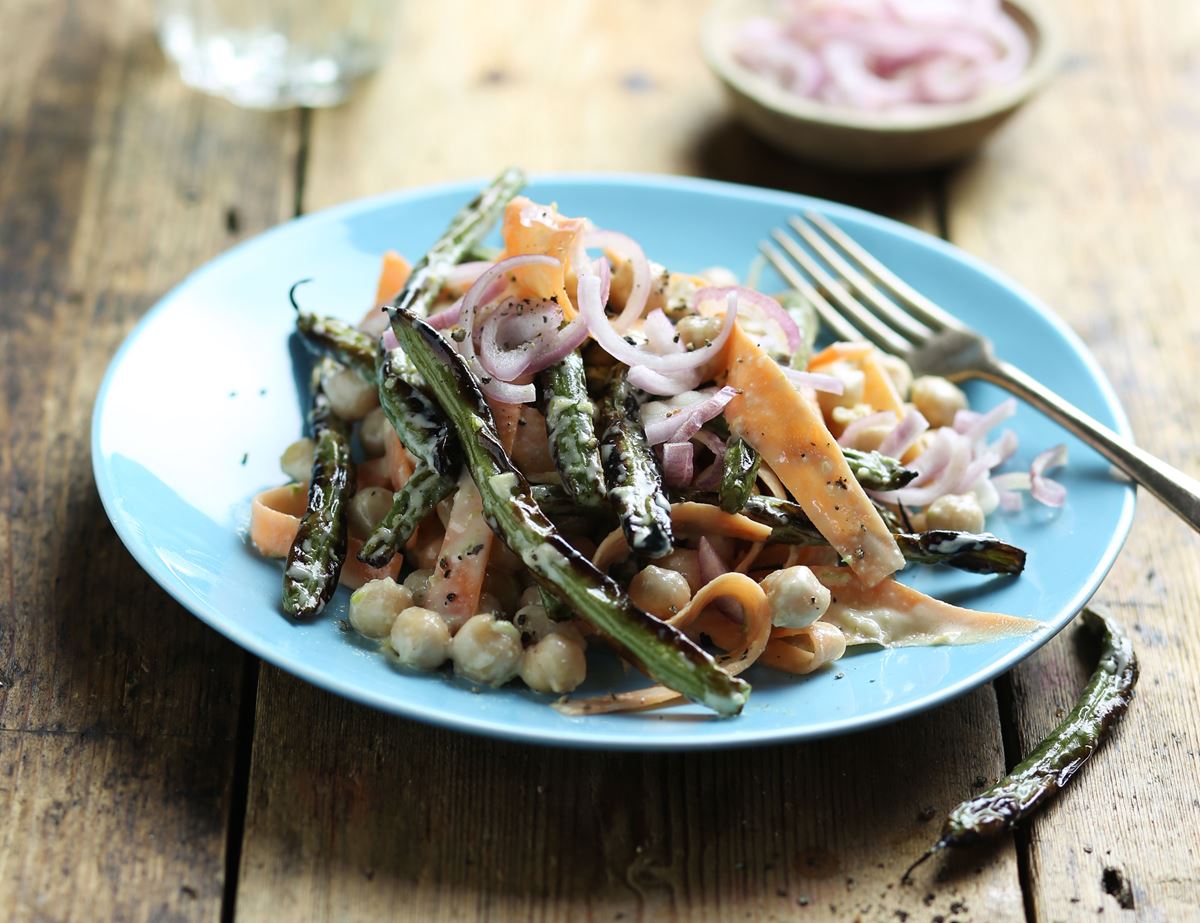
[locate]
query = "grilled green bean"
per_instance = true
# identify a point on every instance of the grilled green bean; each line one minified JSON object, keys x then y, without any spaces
{"x":573,"y":443}
{"x":739,"y":469}
{"x":877,"y":472}
{"x":466,"y":230}
{"x":508,"y":504}
{"x":410,"y":504}
{"x":634,"y":483}
{"x":1052,"y":764}
{"x":976,"y":553}
{"x":318,"y":552}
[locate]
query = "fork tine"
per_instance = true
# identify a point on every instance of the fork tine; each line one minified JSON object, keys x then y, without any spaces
{"x":900,"y":290}
{"x":868,"y":326}
{"x":884,"y":308}
{"x":842,"y":329}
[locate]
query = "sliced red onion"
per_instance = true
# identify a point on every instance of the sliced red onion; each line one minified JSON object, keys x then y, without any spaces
{"x":893,"y":55}
{"x":525,"y":328}
{"x":988,"y":458}
{"x":710,"y":441}
{"x":1043,"y":489}
{"x":663,"y":385}
{"x":940,"y":471}
{"x":965,"y":419}
{"x":1010,"y":501}
{"x":908,"y":431}
{"x":465,"y":274}
{"x":1012,"y":480}
{"x":710,"y":477}
{"x":677,"y":461}
{"x":660,"y":333}
{"x":627,"y":249}
{"x":681,"y":426}
{"x":710,"y":562}
{"x":389,"y":340}
{"x":852,"y":430}
{"x":485,"y":288}
{"x":448,"y":317}
{"x":818,"y":381}
{"x":768,"y":307}
{"x":615,"y":345}
{"x":980,"y":427}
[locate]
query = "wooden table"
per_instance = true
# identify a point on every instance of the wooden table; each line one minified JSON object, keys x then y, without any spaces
{"x":151,"y":770}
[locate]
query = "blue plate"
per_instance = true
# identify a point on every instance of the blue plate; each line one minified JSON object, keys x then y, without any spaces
{"x":201,"y":398}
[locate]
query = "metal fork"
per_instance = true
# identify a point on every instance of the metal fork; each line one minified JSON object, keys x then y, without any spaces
{"x":857,"y":297}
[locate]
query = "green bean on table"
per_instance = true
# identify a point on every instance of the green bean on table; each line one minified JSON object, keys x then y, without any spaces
{"x":661,"y":651}
{"x":1053,"y":763}
{"x":318,"y":551}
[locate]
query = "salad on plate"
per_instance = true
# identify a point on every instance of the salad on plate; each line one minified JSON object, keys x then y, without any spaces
{"x":518,"y":454}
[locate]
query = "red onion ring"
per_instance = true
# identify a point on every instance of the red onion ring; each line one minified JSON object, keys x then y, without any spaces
{"x":480,"y":292}
{"x":628,"y":249}
{"x":682,"y":425}
{"x":663,"y":385}
{"x":660,"y":333}
{"x":908,"y":431}
{"x":603,"y":331}
{"x":771,"y":309}
{"x":677,"y":461}
{"x":818,"y":381}
{"x":1043,"y":489}
{"x":520,"y":326}
{"x":857,"y":426}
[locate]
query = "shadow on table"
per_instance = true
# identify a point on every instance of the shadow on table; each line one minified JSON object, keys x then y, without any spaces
{"x":727,"y":151}
{"x":446,"y":823}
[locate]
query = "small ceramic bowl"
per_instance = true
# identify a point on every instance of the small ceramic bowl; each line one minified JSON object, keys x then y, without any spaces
{"x":869,"y":141}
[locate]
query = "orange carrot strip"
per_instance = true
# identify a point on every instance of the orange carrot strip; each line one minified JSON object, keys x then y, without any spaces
{"x":275,"y":519}
{"x":783,"y":428}
{"x":392,"y":276}
{"x":355,"y":573}
{"x":457,"y":581}
{"x":536,"y":229}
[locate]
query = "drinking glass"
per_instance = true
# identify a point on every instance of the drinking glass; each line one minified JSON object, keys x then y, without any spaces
{"x":275,"y":54}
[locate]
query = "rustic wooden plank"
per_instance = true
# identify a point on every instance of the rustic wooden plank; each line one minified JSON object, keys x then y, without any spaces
{"x":353,"y":814}
{"x":1090,"y":199}
{"x":118,"y":710}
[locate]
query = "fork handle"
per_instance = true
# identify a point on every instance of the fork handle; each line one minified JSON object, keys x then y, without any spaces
{"x":1177,"y":490}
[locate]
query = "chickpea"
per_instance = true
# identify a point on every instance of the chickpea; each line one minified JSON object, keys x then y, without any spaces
{"x":697,"y":330}
{"x":797,"y":598}
{"x":297,"y":459}
{"x":853,"y":382}
{"x":375,"y":605}
{"x":366,"y":509}
{"x":685,"y":561}
{"x":533,"y":622}
{"x":659,"y":591}
{"x":486,"y":650}
{"x":938,"y":399}
{"x":530,"y":596}
{"x":959,"y":512}
{"x":899,"y":372}
{"x":420,"y":638}
{"x":554,"y":664}
{"x":417,"y":583}
{"x":349,"y":396}
{"x":372,"y":432}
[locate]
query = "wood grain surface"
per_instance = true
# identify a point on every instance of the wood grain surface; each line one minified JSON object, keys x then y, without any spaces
{"x":118,"y":710}
{"x":1100,"y":219}
{"x":148,"y":770}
